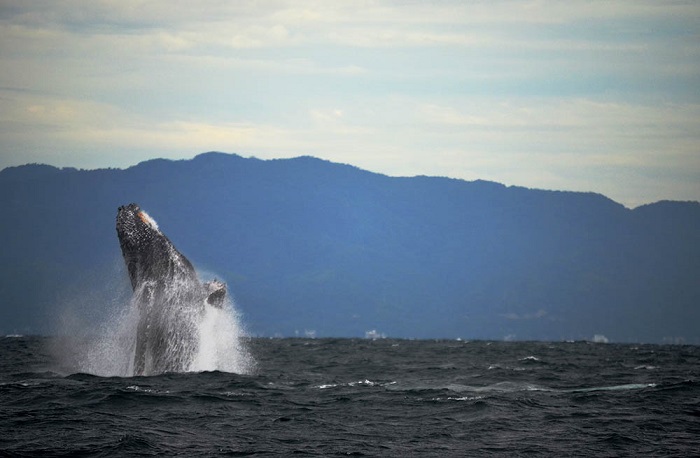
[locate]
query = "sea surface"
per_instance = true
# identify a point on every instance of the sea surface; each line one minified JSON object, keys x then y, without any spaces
{"x":384,"y":397}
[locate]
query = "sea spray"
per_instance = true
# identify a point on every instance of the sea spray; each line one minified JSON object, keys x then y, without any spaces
{"x":111,"y":351}
{"x":220,"y":344}
{"x":216,"y":332}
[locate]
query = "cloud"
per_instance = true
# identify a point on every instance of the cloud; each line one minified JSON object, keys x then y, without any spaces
{"x":557,"y":137}
{"x":582,"y":95}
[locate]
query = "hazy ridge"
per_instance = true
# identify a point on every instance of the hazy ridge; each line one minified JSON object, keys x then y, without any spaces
{"x":310,"y":245}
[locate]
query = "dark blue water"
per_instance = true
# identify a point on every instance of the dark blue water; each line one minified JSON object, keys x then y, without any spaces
{"x":331,"y":397}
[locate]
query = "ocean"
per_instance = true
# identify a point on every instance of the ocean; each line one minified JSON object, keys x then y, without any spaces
{"x":362,"y":397}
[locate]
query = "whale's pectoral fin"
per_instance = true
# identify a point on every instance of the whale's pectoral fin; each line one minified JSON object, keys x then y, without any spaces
{"x":216,"y":292}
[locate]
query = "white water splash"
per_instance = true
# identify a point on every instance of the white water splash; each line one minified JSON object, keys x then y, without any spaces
{"x":220,"y":346}
{"x":218,"y":333}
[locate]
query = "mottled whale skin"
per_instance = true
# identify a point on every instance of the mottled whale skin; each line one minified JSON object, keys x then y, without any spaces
{"x":169,"y":296}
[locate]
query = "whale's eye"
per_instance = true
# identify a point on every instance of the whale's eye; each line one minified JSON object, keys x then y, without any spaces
{"x":147,"y":219}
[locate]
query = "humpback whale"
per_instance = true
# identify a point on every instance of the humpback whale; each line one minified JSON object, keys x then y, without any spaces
{"x":169,"y":295}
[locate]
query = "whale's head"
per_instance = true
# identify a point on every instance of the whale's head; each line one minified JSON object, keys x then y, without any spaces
{"x":140,"y":239}
{"x":135,"y":228}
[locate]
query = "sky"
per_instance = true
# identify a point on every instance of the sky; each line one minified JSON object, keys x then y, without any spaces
{"x":576,"y":95}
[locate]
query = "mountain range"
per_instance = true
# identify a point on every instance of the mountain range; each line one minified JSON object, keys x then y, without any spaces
{"x":311,"y":247}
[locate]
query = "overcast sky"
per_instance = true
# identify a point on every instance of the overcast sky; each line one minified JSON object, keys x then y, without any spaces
{"x":586,"y":96}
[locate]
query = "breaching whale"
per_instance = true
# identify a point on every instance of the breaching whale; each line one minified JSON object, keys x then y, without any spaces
{"x":169,"y":295}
